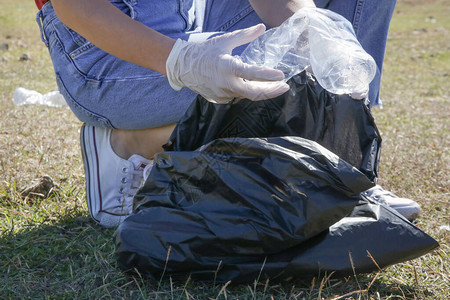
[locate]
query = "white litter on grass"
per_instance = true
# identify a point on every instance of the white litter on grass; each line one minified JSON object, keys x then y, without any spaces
{"x":445,"y":227}
{"x":23,"y":96}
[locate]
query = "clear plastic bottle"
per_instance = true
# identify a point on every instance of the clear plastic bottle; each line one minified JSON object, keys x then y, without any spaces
{"x":284,"y":48}
{"x":322,"y":42}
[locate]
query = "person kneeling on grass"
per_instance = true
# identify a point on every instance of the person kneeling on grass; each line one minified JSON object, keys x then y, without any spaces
{"x":129,"y":69}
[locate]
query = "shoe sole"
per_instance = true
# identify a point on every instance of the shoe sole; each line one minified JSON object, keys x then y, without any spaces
{"x":89,"y":169}
{"x":410,"y":212}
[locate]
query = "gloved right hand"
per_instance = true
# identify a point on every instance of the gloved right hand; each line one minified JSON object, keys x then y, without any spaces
{"x":208,"y":69}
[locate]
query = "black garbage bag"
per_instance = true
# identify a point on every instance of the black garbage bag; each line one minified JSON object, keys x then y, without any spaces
{"x":339,"y":123}
{"x":276,"y":208}
{"x":223,"y":205}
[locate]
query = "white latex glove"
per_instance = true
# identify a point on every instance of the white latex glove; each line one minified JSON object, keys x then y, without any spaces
{"x":208,"y":69}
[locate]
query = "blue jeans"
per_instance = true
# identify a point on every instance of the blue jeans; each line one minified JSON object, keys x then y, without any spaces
{"x":370,"y":19}
{"x":105,"y":91}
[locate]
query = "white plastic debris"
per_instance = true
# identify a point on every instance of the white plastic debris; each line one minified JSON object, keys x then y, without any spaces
{"x":445,"y":227}
{"x":23,"y":96}
{"x":322,"y":42}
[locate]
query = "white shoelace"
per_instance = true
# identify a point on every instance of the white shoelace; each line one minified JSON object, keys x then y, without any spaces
{"x":138,"y":178}
{"x":132,"y":185}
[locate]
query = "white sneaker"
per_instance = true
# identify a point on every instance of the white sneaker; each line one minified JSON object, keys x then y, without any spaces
{"x":408,"y":208}
{"x":111,"y":181}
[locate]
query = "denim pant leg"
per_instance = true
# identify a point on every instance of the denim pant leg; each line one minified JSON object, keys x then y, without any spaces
{"x":226,"y":16}
{"x":105,"y":91}
{"x":370,"y":19}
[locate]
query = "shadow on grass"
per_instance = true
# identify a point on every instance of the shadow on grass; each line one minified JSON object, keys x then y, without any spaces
{"x":74,"y":258}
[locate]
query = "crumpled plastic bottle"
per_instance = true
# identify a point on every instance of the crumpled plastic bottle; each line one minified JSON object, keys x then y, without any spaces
{"x":23,"y":96}
{"x":320,"y":41}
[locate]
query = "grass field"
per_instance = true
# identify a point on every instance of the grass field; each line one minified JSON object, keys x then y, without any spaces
{"x":50,"y":249}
